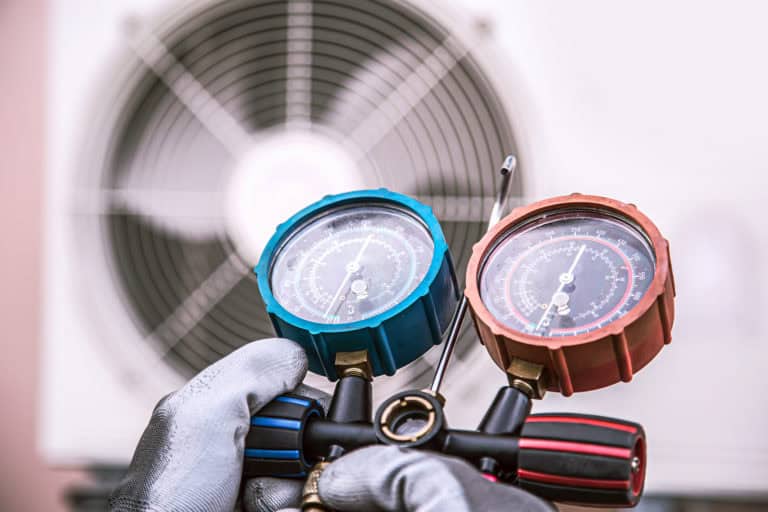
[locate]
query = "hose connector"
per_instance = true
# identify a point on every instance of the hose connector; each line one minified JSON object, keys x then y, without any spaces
{"x":310,"y":499}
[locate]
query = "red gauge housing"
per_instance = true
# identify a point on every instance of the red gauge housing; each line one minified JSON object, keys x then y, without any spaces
{"x":594,"y":359}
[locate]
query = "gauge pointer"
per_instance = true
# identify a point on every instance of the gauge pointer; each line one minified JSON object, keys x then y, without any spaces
{"x":352,"y":267}
{"x":565,"y":278}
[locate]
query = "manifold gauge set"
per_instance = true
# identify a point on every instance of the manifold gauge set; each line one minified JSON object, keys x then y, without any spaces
{"x":568,"y":294}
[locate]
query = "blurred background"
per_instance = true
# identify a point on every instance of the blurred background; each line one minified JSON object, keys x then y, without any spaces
{"x":150,"y":147}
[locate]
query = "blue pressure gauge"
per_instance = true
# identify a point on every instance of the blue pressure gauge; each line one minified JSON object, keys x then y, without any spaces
{"x":362,"y":270}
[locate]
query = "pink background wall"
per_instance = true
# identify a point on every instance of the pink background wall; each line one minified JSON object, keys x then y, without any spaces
{"x":25,"y":483}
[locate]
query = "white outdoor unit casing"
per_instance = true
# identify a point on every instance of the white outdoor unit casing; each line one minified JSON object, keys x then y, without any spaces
{"x":661,"y":106}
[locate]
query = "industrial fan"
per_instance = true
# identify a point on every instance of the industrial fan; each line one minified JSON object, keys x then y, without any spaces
{"x":229,"y":115}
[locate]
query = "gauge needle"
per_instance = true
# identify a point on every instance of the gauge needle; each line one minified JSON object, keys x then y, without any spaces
{"x":352,"y":267}
{"x":565,"y":278}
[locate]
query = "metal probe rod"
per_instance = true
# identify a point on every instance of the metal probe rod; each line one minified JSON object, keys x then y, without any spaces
{"x":507,"y":171}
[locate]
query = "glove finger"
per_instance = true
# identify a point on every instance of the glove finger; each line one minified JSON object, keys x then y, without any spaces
{"x":388,"y":478}
{"x":268,"y":494}
{"x":256,"y":372}
{"x":191,"y":453}
{"x":315,"y":394}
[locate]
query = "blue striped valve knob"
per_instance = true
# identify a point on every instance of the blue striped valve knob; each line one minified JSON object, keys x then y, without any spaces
{"x":274,"y":444}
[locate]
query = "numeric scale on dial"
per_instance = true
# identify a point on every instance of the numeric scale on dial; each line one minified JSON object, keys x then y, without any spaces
{"x":567,"y":294}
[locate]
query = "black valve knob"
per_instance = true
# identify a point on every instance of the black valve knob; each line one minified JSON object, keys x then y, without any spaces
{"x":582,"y":459}
{"x":275,"y":443}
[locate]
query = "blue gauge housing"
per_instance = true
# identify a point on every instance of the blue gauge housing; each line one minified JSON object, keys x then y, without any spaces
{"x":393,"y":338}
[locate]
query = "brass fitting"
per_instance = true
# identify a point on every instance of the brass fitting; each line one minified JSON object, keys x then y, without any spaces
{"x":527,"y":377}
{"x":408,"y":403}
{"x":355,"y":363}
{"x":310,"y":499}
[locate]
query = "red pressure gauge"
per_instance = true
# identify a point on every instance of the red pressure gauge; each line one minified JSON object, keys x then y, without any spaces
{"x":579,"y":284}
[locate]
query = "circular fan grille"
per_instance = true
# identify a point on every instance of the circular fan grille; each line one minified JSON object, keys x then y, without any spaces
{"x":383,"y":81}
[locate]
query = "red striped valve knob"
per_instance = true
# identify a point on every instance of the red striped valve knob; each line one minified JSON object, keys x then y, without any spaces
{"x":582,"y":459}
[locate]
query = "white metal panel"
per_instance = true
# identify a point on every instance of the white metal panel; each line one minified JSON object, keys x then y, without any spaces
{"x":89,"y":411}
{"x":661,"y":104}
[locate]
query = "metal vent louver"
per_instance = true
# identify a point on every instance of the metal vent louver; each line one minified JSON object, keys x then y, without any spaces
{"x":207,"y":89}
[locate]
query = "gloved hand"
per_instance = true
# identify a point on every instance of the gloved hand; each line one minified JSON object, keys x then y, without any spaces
{"x":388,"y":478}
{"x":392,"y":479}
{"x":190,"y":456}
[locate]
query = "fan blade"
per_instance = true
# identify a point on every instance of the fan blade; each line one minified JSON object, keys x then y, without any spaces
{"x":187,"y":214}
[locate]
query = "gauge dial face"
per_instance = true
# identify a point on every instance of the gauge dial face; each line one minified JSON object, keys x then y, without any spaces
{"x":351,"y":263}
{"x":568,"y":273}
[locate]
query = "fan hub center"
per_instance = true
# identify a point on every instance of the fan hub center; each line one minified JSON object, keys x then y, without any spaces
{"x":280,"y":174}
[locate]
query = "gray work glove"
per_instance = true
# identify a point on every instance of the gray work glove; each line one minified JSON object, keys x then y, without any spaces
{"x":390,"y":479}
{"x":190,"y":457}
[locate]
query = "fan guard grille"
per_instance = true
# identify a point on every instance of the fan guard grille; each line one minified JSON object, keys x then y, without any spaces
{"x":381,"y":78}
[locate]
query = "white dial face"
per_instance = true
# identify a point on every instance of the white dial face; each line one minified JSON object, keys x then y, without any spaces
{"x":351,"y":263}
